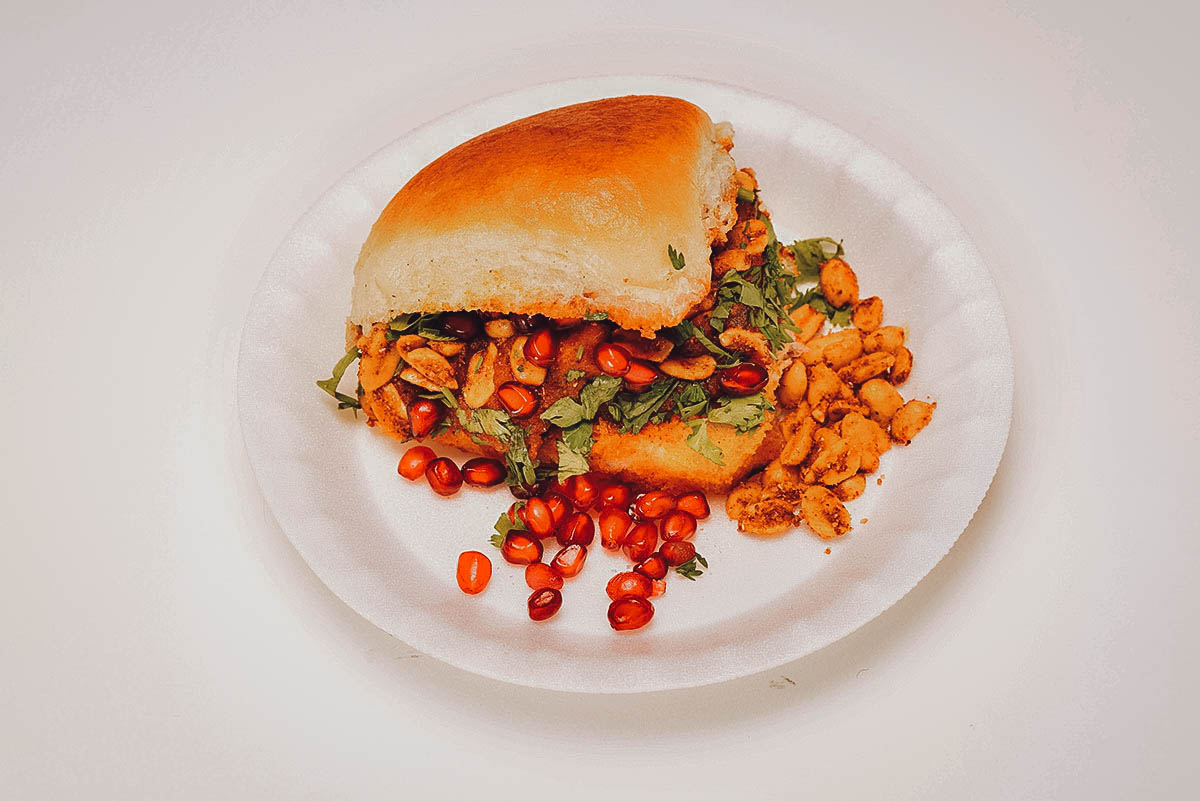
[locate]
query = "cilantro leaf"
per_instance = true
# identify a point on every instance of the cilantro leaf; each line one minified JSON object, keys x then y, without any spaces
{"x":579,"y":437}
{"x":745,"y":195}
{"x":688,"y":330}
{"x":571,"y":462}
{"x":595,"y":317}
{"x":816,"y":298}
{"x":495,"y":423}
{"x":744,"y":414}
{"x":676,"y":258}
{"x":810,"y":254}
{"x":599,"y":391}
{"x":692,"y":401}
{"x":632,"y":411}
{"x":575,"y":375}
{"x":564,"y":412}
{"x":330,"y":384}
{"x":689,"y":570}
{"x":701,"y":444}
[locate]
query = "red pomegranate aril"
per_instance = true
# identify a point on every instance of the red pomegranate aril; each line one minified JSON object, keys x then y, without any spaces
{"x":678,"y":525}
{"x":541,"y":348}
{"x":614,"y":525}
{"x":658,"y":587}
{"x":414,"y":461}
{"x":521,"y":548}
{"x":474,"y":572}
{"x":581,"y":491}
{"x":640,"y":375}
{"x":483,"y":472}
{"x":526,"y":323}
{"x":676,"y":552}
{"x":653,"y":505}
{"x":569,"y":561}
{"x":652,"y":567}
{"x":566,"y":323}
{"x":538,"y":517}
{"x":424,"y":415}
{"x":577,"y":528}
{"x":628,"y":585}
{"x":630,"y":613}
{"x":641,"y":541}
{"x":444,"y":476}
{"x":560,"y":507}
{"x":516,"y":512}
{"x":461,"y":325}
{"x":539,"y":575}
{"x":544,"y":603}
{"x":526,"y":491}
{"x":742,"y":379}
{"x":517,"y":399}
{"x":612,"y":359}
{"x":694,"y":503}
{"x":618,"y":495}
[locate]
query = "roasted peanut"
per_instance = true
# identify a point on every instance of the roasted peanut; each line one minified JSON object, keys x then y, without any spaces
{"x":796,"y":448}
{"x":379,"y":359}
{"x":837,"y":349}
{"x":909,"y":421}
{"x":416,"y":378}
{"x":744,"y":494}
{"x":808,"y":320}
{"x":835,"y":462}
{"x":749,"y":342}
{"x":731,"y":259}
{"x":823,"y":385}
{"x":389,"y":410}
{"x":881,"y":398}
{"x":525,"y":371}
{"x":793,"y":386}
{"x":824,"y":513}
{"x":652,"y":349}
{"x":839,"y":283}
{"x":448,"y":349}
{"x":499,"y":329}
{"x":889,"y":339}
{"x":745,"y":180}
{"x":851,"y":488}
{"x":481,"y":377}
{"x":866,"y":367}
{"x":433,"y":366}
{"x":903,"y":366}
{"x":868,"y":314}
{"x":863,"y":436}
{"x":693,"y":368}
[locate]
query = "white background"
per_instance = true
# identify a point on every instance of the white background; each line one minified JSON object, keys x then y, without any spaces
{"x":161,"y":638}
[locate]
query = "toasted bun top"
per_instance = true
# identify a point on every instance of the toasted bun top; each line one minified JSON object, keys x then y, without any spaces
{"x":563,"y":213}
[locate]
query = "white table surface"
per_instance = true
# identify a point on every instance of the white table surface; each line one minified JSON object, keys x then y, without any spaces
{"x":162,"y":639}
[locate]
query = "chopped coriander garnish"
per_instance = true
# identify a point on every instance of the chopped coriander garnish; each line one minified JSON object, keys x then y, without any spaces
{"x":744,"y":414}
{"x":689,"y":570}
{"x":579,"y":353}
{"x":330,"y":384}
{"x":632,"y":410}
{"x":701,"y":444}
{"x":676,"y":258}
{"x":596,"y":316}
{"x":745,"y":195}
{"x":575,"y":375}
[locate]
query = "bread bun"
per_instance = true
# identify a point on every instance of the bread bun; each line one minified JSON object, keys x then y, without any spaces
{"x":564,"y":213}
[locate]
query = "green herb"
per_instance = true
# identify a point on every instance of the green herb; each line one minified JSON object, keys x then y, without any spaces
{"x":688,"y":330}
{"x":810,"y":254}
{"x":701,"y":444}
{"x":692,"y":401}
{"x":497,"y":424}
{"x":744,"y":414}
{"x":598,"y":392}
{"x":689,"y":570}
{"x":497,"y":540}
{"x":579,"y":353}
{"x":330,"y":384}
{"x":575,"y":375}
{"x":745,"y":195}
{"x":575,"y":417}
{"x":676,"y":258}
{"x":426,"y":325}
{"x":442,"y":395}
{"x":505,"y":525}
{"x":816,"y":298}
{"x":771,"y":238}
{"x":571,"y":462}
{"x":595,"y":317}
{"x":632,"y":411}
{"x":579,"y":437}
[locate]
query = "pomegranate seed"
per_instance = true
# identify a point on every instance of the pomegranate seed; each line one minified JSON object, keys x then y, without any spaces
{"x":521,"y":548}
{"x":577,"y":529}
{"x":544,"y":603}
{"x":539,"y":575}
{"x":630,"y":613}
{"x":652,"y":567}
{"x":516,"y":512}
{"x":742,"y":379}
{"x":641,"y":541}
{"x":444,"y":476}
{"x":517,"y":399}
{"x":658,"y":587}
{"x":628,"y":585}
{"x":569,"y":561}
{"x":566,"y":323}
{"x":614,"y":525}
{"x":653,"y":505}
{"x":541,"y":348}
{"x":615,"y":495}
{"x":474,"y":572}
{"x":676,"y":552}
{"x":461,"y":325}
{"x":640,"y":375}
{"x":678,"y":525}
{"x":483,"y":472}
{"x":424,"y":415}
{"x":694,"y":503}
{"x":560,"y":507}
{"x":414,"y":461}
{"x":613,"y":359}
{"x":527,"y":491}
{"x":581,"y":491}
{"x":538,"y":517}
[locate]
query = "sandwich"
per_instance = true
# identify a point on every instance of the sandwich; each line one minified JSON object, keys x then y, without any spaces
{"x":592,"y":288}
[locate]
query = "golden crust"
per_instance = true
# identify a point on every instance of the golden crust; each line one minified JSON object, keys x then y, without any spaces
{"x":566,"y":212}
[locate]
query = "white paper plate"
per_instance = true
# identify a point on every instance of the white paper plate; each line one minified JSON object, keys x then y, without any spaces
{"x":388,"y":548}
